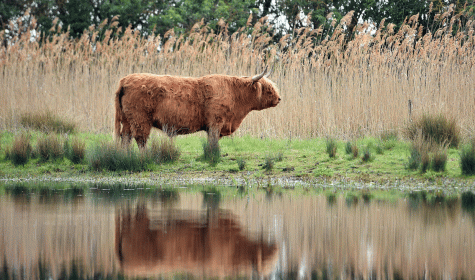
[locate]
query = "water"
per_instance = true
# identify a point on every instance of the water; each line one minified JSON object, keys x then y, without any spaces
{"x":75,"y":234}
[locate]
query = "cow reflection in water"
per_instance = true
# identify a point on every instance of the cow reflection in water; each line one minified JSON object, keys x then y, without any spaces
{"x":212,"y":246}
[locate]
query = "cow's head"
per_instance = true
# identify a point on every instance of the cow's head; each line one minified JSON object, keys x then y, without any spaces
{"x":267,"y":92}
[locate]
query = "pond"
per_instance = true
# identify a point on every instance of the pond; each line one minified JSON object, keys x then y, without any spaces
{"x":182,"y":234}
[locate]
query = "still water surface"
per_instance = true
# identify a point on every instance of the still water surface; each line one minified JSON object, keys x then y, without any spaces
{"x":203,"y":234}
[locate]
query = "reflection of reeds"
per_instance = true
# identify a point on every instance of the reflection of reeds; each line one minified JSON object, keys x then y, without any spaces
{"x":358,"y":87}
{"x":415,"y":238}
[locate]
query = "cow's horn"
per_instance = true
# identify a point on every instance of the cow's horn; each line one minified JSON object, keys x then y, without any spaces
{"x":258,"y":77}
{"x":270,"y":73}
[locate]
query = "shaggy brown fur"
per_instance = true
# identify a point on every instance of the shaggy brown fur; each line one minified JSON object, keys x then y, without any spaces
{"x":182,"y":105}
{"x":214,"y":246}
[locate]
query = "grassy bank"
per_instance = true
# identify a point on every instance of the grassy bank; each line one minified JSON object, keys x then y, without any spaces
{"x":249,"y":158}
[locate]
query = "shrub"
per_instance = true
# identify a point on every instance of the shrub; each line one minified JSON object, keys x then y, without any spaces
{"x":49,"y":147}
{"x":113,"y":157}
{"x":20,"y":151}
{"x":47,"y":122}
{"x":211,"y":149}
{"x":164,"y":151}
{"x":331,"y":147}
{"x":75,"y":150}
{"x":467,"y":159}
{"x":437,"y":128}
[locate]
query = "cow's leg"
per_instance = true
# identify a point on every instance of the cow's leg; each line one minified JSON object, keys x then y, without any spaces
{"x":126,"y":133}
{"x":141,"y":131}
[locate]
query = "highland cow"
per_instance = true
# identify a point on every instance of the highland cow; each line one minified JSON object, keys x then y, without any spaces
{"x":182,"y":105}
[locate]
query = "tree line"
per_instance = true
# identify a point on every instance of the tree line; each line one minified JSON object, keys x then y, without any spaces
{"x":159,"y":16}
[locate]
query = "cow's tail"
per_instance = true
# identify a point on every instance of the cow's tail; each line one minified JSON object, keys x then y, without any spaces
{"x":119,"y":114}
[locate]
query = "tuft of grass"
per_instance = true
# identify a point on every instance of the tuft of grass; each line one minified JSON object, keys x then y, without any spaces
{"x":420,"y":149}
{"x":241,"y":163}
{"x":268,"y":163}
{"x":75,"y":150}
{"x":49,"y":147}
{"x":425,"y":162}
{"x":467,"y":159}
{"x":113,"y":157}
{"x":164,"y":151}
{"x":47,"y":122}
{"x":414,"y":159}
{"x":366,"y":154}
{"x":438,"y":128}
{"x":331,"y":145}
{"x":426,"y":155}
{"x":351,"y":148}
{"x":348,"y":149}
{"x":439,"y":160}
{"x":211,"y":149}
{"x":20,"y":151}
{"x":279,"y":157}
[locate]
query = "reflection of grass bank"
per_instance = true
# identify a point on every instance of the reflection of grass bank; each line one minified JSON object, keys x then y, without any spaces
{"x":302,"y":159}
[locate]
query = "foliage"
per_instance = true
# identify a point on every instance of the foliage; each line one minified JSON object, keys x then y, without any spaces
{"x":439,"y":160}
{"x":241,"y":163}
{"x":351,"y":148}
{"x":110,"y":156}
{"x":164,"y":151}
{"x":75,"y":150}
{"x":331,"y":145}
{"x":366,"y":154}
{"x":438,"y":128}
{"x":20,"y":151}
{"x":414,"y":159}
{"x":426,"y":154}
{"x":268,"y":163}
{"x":467,"y":159}
{"x":47,"y":122}
{"x":287,"y":16}
{"x":49,"y":146}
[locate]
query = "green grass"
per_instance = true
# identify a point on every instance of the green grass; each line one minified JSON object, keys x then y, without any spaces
{"x":304,"y":159}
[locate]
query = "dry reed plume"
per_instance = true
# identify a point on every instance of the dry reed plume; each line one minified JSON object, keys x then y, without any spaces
{"x":329,"y":86}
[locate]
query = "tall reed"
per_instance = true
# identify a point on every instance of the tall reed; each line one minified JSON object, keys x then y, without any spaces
{"x":333,"y":87}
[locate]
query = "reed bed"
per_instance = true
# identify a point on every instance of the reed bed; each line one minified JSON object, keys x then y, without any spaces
{"x":329,"y":86}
